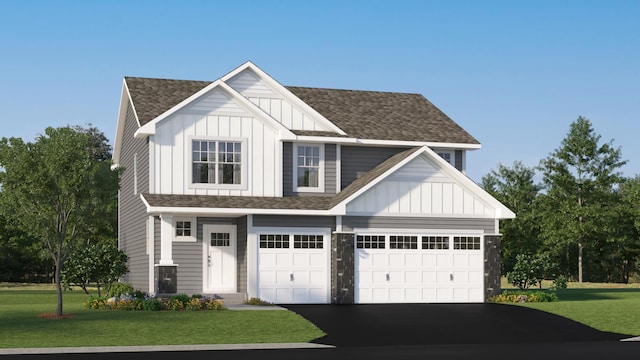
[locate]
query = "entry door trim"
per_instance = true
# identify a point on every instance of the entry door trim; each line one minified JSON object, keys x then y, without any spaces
{"x":232,"y":268}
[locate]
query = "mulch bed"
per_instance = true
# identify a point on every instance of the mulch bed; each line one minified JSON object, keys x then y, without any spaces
{"x":53,"y":316}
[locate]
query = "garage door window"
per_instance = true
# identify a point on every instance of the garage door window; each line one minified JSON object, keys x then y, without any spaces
{"x":274,"y":241}
{"x":435,"y":242}
{"x":370,"y":242}
{"x":307,"y":241}
{"x":466,"y":243}
{"x":403,"y":242}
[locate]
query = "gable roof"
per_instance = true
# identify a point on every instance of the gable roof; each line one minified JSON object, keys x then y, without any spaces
{"x":360,"y":114}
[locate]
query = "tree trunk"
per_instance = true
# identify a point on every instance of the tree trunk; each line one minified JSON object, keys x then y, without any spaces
{"x":580,"y":261}
{"x":58,"y":286}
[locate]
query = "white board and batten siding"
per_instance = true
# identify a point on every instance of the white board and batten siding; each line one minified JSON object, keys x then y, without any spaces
{"x":270,"y":101}
{"x":215,"y":116}
{"x":419,"y":188}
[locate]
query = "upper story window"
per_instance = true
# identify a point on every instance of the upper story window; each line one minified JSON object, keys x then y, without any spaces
{"x":447,"y":155}
{"x":309,"y":167}
{"x":218,"y":162}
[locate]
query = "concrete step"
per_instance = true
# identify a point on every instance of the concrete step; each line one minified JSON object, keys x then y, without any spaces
{"x":232,"y":298}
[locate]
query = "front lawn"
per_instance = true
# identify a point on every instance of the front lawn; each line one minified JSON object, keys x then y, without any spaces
{"x":603,"y":306}
{"x":22,"y":326}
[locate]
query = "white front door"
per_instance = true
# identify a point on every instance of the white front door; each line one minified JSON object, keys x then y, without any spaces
{"x":221,"y":261}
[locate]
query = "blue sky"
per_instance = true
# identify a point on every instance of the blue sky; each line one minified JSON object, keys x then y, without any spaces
{"x":514,"y":74}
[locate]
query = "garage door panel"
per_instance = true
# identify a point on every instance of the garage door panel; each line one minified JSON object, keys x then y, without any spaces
{"x":268,"y":277}
{"x":378,"y":276}
{"x":397,"y":294}
{"x":317,"y":259}
{"x":443,"y":260}
{"x":379,"y":259}
{"x":429,"y":294}
{"x":316,"y":276}
{"x":443,"y":277}
{"x":380,"y":294}
{"x":300,"y":259}
{"x":444,"y":294}
{"x":476,"y":277}
{"x":476,"y":260}
{"x":434,"y":272}
{"x":295,"y":271}
{"x":283,"y":277}
{"x":412,"y":260}
{"x":267,"y":259}
{"x":282,"y":259}
{"x":284,"y":295}
{"x":397,"y":260}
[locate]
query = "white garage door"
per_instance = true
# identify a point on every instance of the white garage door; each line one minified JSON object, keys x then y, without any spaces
{"x":393,"y":268}
{"x":293,"y":268}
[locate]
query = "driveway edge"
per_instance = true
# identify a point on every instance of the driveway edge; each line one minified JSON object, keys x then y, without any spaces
{"x":113,"y":349}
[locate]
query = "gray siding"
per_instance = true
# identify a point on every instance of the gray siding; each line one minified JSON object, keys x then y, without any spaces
{"x":288,"y":176}
{"x":380,"y":222}
{"x":188,"y":256}
{"x":132,"y":217}
{"x":357,"y":160}
{"x":242,"y":254}
{"x":458,"y":160}
{"x":294,"y":221}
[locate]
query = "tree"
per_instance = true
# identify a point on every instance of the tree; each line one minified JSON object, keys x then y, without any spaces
{"x":56,"y":190}
{"x":579,"y":179}
{"x":102,"y":263}
{"x":515,"y":187}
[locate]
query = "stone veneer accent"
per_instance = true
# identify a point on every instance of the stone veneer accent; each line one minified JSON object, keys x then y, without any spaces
{"x":342,"y":268}
{"x":492,"y":265}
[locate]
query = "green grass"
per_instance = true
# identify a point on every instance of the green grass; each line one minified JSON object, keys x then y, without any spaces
{"x":22,"y":327}
{"x":603,"y":306}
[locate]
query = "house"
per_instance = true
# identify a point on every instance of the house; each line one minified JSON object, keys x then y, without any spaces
{"x":300,"y":195}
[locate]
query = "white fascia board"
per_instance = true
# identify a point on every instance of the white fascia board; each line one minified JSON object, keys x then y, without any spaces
{"x":228,"y":211}
{"x":419,"y":143}
{"x":341,"y":207}
{"x":125,"y":98}
{"x":150,"y":127}
{"x":326,"y":139}
{"x":283,"y":91}
{"x":501,"y":211}
{"x":253,"y":108}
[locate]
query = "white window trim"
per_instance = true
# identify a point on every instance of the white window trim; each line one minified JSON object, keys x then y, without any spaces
{"x":243,"y":168}
{"x":194,"y":230}
{"x":294,"y":174}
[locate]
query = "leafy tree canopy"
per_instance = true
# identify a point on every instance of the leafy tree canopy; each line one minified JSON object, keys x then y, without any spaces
{"x":59,"y":189}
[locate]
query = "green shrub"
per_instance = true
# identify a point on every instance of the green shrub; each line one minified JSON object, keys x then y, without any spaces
{"x":516,"y":296}
{"x":151,"y":304}
{"x":120,"y":289}
{"x":559,"y":283}
{"x":257,"y":301}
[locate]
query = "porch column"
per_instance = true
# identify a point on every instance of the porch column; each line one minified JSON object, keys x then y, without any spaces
{"x":166,"y":238}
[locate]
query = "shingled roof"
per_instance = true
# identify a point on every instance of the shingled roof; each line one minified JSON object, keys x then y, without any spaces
{"x":384,"y":115}
{"x":361,"y":114}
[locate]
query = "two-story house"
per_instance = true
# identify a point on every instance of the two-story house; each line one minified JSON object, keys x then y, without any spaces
{"x":300,"y":195}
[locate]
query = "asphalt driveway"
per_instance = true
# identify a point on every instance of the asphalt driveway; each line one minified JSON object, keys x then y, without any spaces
{"x":438,"y":324}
